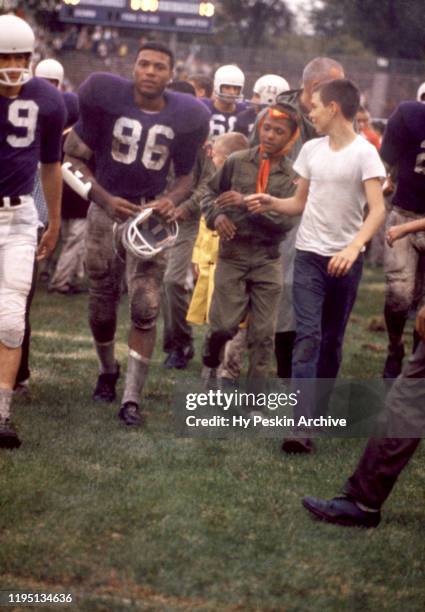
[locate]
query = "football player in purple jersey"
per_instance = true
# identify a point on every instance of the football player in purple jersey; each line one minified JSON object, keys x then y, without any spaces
{"x":226,"y":103}
{"x":132,"y":130}
{"x":32,"y":117}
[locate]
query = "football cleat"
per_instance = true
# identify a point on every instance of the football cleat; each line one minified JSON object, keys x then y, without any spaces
{"x":145,"y":236}
{"x":105,"y":386}
{"x":8,"y":436}
{"x":229,"y":75}
{"x":16,"y":37}
{"x":130,"y":415}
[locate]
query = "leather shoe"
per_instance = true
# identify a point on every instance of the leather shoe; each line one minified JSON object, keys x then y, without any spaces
{"x":341,"y":511}
{"x":298,"y":446}
{"x":130,"y":415}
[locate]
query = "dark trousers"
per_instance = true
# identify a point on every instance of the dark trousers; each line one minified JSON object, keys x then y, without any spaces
{"x":383,"y":459}
{"x":322,"y":305}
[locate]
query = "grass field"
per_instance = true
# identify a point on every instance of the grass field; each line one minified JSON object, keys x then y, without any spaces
{"x":142,"y":520}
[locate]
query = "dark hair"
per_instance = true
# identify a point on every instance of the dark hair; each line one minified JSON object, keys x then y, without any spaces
{"x":182,"y":87}
{"x":344,"y":93}
{"x":157,"y":46}
{"x":203,"y":82}
{"x":288,"y":109}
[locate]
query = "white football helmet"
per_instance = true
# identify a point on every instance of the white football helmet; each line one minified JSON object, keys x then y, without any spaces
{"x":16,"y":36}
{"x":268,"y":87}
{"x":421,"y":92}
{"x":50,"y":69}
{"x":146,"y":235}
{"x":229,"y":75}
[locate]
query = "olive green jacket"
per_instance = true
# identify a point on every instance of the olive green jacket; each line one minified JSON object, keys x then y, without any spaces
{"x":239,"y":173}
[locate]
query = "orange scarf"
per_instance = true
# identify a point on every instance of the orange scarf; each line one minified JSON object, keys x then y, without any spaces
{"x":265,"y":165}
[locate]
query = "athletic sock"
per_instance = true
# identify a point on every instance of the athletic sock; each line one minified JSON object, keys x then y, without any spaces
{"x":106,"y":354}
{"x":5,"y":401}
{"x":137,"y":369}
{"x":365,"y":508}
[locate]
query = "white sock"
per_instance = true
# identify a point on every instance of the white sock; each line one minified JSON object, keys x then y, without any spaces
{"x":365,"y":508}
{"x":137,"y":369}
{"x":106,"y":354}
{"x":5,"y":401}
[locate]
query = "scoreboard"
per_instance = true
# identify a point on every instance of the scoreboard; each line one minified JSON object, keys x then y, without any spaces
{"x":172,"y":15}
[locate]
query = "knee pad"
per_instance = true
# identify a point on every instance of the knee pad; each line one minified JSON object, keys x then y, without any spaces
{"x":12,"y":327}
{"x":399,"y":295}
{"x":144,"y":307}
{"x":103,"y":316}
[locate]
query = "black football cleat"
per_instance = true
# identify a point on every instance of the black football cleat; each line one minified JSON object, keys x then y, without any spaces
{"x":341,"y":511}
{"x":298,"y":446}
{"x":105,"y":387}
{"x":8,"y":436}
{"x":130,"y":415}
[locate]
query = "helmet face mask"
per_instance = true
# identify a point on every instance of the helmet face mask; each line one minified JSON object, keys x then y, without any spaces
{"x":231,"y":76}
{"x":145,"y":236}
{"x":268,"y":87}
{"x":16,"y":38}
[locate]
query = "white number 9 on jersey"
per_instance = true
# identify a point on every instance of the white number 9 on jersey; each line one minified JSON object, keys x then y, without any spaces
{"x":128,"y":132}
{"x":23,"y":114}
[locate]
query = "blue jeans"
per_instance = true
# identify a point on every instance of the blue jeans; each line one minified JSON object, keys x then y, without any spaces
{"x":322,"y":305}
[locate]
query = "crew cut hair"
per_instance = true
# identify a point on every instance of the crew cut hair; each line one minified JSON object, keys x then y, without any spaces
{"x":344,"y":92}
{"x":153,"y":45}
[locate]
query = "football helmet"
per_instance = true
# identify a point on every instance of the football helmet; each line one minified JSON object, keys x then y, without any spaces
{"x":50,"y":69}
{"x":229,"y":75}
{"x":420,"y":96}
{"x":146,"y":235}
{"x":16,"y":37}
{"x":268,"y":87}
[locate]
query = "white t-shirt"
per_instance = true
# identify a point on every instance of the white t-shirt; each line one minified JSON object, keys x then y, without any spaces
{"x":334,"y":210}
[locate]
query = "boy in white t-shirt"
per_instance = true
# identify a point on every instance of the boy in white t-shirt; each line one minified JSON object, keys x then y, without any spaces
{"x":339,"y":174}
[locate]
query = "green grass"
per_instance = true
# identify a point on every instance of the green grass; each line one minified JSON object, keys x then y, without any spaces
{"x":129,"y":520}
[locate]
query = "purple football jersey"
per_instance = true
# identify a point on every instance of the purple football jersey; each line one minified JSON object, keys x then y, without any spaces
{"x":71,"y":105}
{"x":404,"y":146}
{"x":245,"y":121}
{"x":133,"y":148}
{"x":31,"y":127}
{"x":221,"y":123}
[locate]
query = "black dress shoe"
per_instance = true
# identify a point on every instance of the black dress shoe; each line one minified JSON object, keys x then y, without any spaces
{"x":298,"y":446}
{"x":130,"y":415}
{"x":105,"y":387}
{"x":341,"y":511}
{"x":8,"y":436}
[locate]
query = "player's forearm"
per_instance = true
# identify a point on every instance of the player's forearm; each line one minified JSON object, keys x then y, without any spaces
{"x":51,"y":180}
{"x":180,"y":189}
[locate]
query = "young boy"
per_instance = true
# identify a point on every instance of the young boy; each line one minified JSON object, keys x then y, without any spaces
{"x":206,"y":246}
{"x":338,"y":173}
{"x":248,"y":276}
